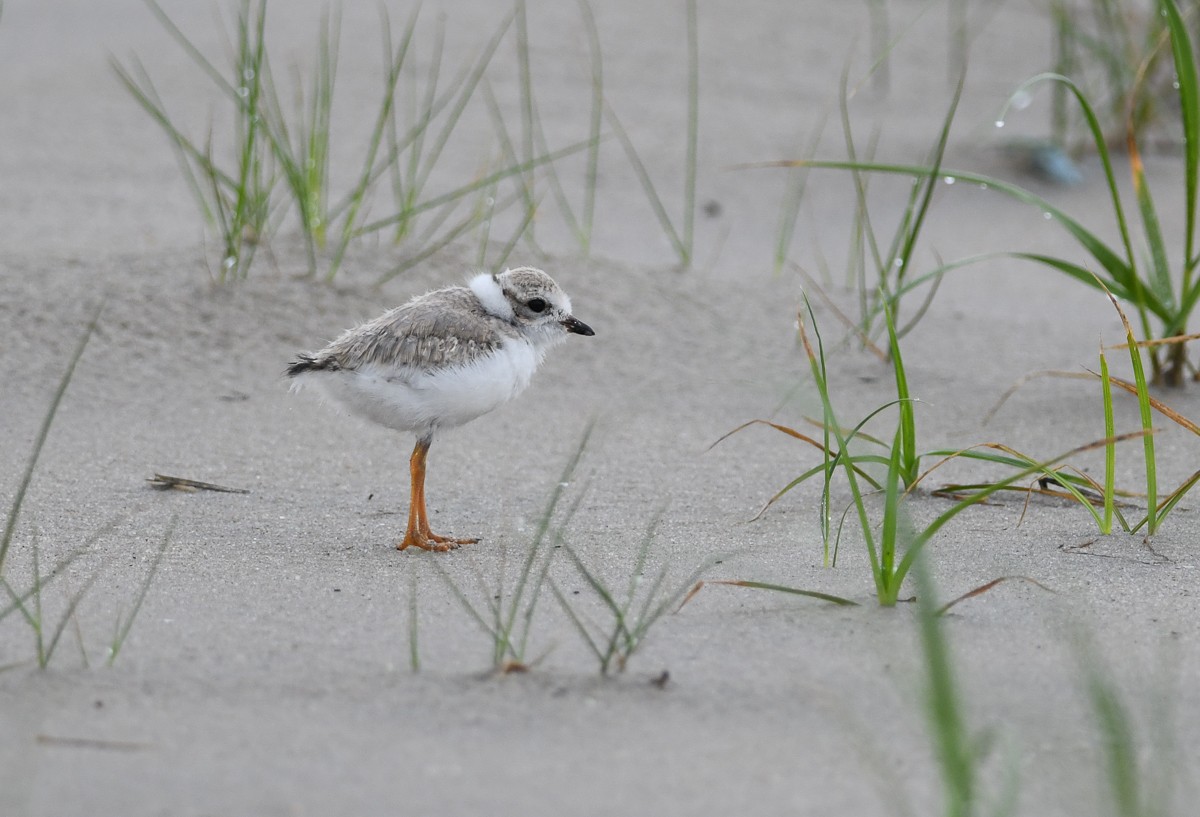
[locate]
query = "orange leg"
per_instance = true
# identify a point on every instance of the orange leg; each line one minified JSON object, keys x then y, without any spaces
{"x":418,"y":533}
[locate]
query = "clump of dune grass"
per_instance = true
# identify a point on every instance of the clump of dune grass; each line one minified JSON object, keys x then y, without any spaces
{"x":234,"y":196}
{"x":880,"y":268}
{"x":1146,"y":281}
{"x":277,"y":159}
{"x":507,"y":612}
{"x":1099,"y":497}
{"x":1117,"y":53}
{"x":28,"y":602}
{"x":633,"y":613}
{"x":892,"y":471}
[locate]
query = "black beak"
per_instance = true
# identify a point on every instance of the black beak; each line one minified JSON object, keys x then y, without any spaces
{"x":577,"y":326}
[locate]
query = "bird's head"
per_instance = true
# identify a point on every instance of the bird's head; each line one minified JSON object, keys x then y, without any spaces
{"x":530,"y":300}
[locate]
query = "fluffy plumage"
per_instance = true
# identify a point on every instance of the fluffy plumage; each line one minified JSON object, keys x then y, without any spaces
{"x":442,"y":360}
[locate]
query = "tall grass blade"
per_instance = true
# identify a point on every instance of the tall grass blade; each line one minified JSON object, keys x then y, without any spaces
{"x":125,"y":624}
{"x":39,"y":442}
{"x":1143,"y":395}
{"x":957,"y":752}
{"x":67,"y":616}
{"x":1110,"y":450}
{"x":647,"y":184}
{"x":595,"y":122}
{"x":1189,"y":107}
{"x":908,"y":461}
{"x":528,"y":115}
{"x":693,"y":127}
{"x":471,"y":187}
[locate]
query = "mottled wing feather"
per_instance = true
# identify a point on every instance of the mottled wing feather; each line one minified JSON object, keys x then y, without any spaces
{"x":443,"y":328}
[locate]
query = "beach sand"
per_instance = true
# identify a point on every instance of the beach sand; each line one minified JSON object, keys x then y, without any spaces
{"x":269,"y":670}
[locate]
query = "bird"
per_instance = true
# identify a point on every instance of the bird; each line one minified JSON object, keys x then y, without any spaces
{"x":440,"y":361}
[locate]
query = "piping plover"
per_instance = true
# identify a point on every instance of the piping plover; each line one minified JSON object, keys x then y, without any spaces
{"x":440,"y":361}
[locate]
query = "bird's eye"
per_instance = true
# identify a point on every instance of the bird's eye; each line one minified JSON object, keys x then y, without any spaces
{"x":536,"y":304}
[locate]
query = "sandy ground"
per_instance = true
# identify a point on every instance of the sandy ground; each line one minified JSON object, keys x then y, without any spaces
{"x":269,"y":672}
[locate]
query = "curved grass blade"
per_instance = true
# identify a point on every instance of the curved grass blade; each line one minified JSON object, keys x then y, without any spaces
{"x":984,"y":588}
{"x":780,"y":588}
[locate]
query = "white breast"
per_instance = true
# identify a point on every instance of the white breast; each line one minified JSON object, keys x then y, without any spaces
{"x":413,"y":400}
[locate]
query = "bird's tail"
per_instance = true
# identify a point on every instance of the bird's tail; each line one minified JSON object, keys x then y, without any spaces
{"x":307,"y":363}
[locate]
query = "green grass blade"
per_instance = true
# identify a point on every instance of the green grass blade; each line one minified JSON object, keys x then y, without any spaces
{"x":1100,"y":142}
{"x":1143,"y":395}
{"x":465,"y":93}
{"x":461,"y":597}
{"x":580,"y":626}
{"x":437,"y":246}
{"x":527,"y":568}
{"x":1088,"y":276}
{"x":1189,"y":106}
{"x":1110,"y":450}
{"x":643,"y":175}
{"x":1109,"y":261}
{"x":595,"y":122}
{"x":907,"y":460}
{"x":39,"y":442}
{"x":467,"y":189}
{"x":923,"y":537}
{"x":521,"y":230}
{"x":192,"y":51}
{"x":523,"y":180}
{"x":69,"y":616}
{"x":1160,"y":279}
{"x":816,"y":358}
{"x":915,"y":219}
{"x":795,"y":591}
{"x":956,"y":750}
{"x":1171,"y":500}
{"x":125,"y":625}
{"x":889,"y":531}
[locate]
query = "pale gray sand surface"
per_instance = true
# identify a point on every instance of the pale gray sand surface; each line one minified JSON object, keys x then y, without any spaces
{"x":269,"y":669}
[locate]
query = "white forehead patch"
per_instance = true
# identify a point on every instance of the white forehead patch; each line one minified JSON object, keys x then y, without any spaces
{"x":491,"y":296}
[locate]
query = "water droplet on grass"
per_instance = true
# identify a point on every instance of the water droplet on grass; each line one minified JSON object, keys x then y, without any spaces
{"x":949,"y":180}
{"x":999,"y":123}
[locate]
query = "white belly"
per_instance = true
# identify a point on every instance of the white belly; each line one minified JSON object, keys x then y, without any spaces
{"x":413,"y":400}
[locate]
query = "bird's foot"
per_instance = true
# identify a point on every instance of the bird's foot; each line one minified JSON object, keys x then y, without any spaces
{"x":451,"y":541}
{"x":431,"y":542}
